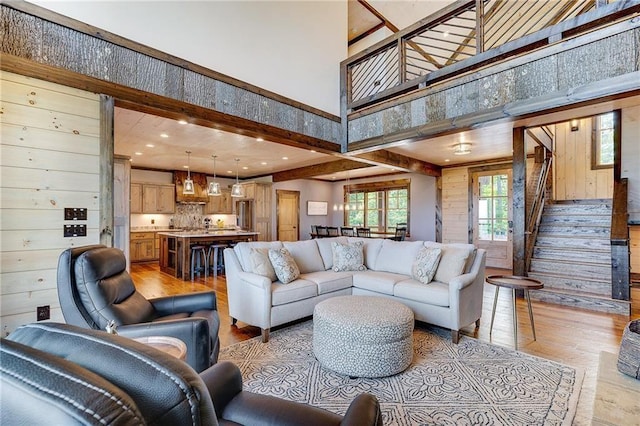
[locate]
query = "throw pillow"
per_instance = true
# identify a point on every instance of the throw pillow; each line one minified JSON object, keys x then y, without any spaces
{"x":452,"y":263}
{"x":426,"y":263}
{"x":283,"y":264}
{"x":261,"y":264}
{"x":348,"y":257}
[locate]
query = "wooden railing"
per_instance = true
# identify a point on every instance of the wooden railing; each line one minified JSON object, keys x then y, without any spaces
{"x":620,"y":269}
{"x":537,"y":207}
{"x":464,"y":36}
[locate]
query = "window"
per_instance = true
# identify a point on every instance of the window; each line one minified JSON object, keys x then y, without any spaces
{"x":602,"y":140}
{"x":493,"y":207}
{"x":378,"y":205}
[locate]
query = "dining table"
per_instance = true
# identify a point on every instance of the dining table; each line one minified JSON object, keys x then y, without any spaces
{"x":175,"y":247}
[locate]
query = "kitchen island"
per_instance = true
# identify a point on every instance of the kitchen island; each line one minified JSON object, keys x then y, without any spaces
{"x":175,"y":247}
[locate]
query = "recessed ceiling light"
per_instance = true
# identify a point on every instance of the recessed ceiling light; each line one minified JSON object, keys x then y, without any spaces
{"x":229,"y":171}
{"x":149,"y":145}
{"x":446,"y":160}
{"x":313,"y":150}
{"x":164,"y":135}
{"x":185,"y":167}
{"x":445,"y":34}
{"x":138,"y":153}
{"x":182,"y":121}
{"x":245,"y":168}
{"x":264,"y":163}
{"x":285,"y":158}
{"x":259,"y":139}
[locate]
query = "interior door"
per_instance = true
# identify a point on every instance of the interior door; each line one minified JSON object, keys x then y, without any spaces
{"x":288,"y":212}
{"x":492,"y":216}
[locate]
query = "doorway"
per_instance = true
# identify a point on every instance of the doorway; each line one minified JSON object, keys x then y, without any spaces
{"x":288,"y":215}
{"x":492,"y":216}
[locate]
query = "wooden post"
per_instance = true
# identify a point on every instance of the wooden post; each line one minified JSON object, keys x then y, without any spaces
{"x":479,"y":26}
{"x":106,"y":170}
{"x":519,"y":201}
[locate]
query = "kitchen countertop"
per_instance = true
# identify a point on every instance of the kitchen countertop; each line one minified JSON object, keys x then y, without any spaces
{"x":204,"y":233}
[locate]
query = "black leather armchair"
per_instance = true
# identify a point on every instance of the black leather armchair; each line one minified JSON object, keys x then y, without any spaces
{"x":94,"y":288}
{"x":61,"y":374}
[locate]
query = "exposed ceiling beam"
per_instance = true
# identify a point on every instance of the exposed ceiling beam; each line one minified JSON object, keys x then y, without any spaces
{"x":319,"y":169}
{"x":365,"y":34}
{"x":395,"y":29}
{"x":401,"y":162}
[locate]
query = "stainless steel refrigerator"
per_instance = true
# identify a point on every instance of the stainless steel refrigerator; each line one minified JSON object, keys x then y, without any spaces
{"x":244,"y":214}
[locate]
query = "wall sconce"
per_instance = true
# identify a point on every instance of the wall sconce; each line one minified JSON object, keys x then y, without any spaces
{"x":575,"y":125}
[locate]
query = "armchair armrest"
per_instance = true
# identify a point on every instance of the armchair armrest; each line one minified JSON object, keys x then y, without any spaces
{"x":224,"y":382}
{"x":255,"y":280}
{"x":364,"y":410}
{"x":194,"y":332}
{"x":462,"y":281}
{"x":192,"y":302}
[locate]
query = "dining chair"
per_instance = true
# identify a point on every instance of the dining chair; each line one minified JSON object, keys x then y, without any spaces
{"x":401,"y":233}
{"x":332,"y":231}
{"x":363,"y":232}
{"x":346,"y":231}
{"x":314,"y":231}
{"x":321,"y":231}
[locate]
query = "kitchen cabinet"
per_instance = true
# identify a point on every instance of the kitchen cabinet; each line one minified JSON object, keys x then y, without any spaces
{"x":260,"y":193}
{"x":136,"y":198}
{"x":221,"y":204}
{"x":152,"y":198}
{"x":142,"y":246}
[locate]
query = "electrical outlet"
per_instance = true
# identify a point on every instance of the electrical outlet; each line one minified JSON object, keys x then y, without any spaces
{"x":43,"y":313}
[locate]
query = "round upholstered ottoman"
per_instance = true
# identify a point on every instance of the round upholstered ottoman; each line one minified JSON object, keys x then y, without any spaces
{"x":363,"y":336}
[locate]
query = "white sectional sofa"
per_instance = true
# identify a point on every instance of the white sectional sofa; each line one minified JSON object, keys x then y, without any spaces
{"x":452,"y":300}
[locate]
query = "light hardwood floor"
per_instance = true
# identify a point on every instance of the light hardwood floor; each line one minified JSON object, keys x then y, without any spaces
{"x":573,"y":337}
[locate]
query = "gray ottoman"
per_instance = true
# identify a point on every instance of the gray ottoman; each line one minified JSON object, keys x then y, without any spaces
{"x":363,"y":336}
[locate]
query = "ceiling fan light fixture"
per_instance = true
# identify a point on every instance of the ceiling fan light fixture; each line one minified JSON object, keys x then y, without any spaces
{"x":214,"y":187}
{"x":188,"y":188}
{"x":237,"y":190}
{"x":463,"y":148}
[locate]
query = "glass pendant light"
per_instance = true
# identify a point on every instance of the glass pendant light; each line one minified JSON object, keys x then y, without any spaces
{"x":236,"y":189}
{"x":214,"y":187}
{"x":188,"y":188}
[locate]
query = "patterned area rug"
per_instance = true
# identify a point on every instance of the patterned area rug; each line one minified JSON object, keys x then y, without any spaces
{"x":472,"y":383}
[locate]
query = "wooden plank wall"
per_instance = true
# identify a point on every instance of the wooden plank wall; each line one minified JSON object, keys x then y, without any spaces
{"x":50,"y":154}
{"x":574,"y":178}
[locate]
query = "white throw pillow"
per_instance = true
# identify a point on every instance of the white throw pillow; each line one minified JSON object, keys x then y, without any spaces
{"x":452,"y":263}
{"x":283,"y":264}
{"x":261,"y":264}
{"x":425,"y":265}
{"x":348,"y":257}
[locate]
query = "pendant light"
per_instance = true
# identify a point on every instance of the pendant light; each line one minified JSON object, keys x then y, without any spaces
{"x":188,"y":188}
{"x":214,"y":187}
{"x":236,"y":189}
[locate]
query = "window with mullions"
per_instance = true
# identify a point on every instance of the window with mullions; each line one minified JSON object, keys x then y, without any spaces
{"x":602,"y":141}
{"x":378,"y":206}
{"x":493,"y":208}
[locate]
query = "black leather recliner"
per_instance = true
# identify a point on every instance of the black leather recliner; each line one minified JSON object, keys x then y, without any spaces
{"x":94,"y":288}
{"x":61,"y":374}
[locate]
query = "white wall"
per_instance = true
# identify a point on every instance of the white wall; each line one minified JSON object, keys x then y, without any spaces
{"x":631,"y":159}
{"x":292,"y":48}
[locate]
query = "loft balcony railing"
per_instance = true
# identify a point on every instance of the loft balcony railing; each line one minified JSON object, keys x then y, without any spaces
{"x":466,"y":35}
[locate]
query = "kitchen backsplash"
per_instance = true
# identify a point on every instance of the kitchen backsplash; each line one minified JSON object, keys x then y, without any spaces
{"x":187,"y":216}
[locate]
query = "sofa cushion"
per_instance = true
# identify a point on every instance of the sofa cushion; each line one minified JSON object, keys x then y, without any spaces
{"x":436,"y":293}
{"x":371,"y":250}
{"x":283,"y":264}
{"x":348,"y":257}
{"x":299,"y":289}
{"x":425,"y":264}
{"x":324,"y":246}
{"x":453,"y":261}
{"x":397,"y":256}
{"x":306,"y":255}
{"x":472,"y":250}
{"x":260,"y":263}
{"x":329,"y":281}
{"x":243,"y":250}
{"x":380,"y":282}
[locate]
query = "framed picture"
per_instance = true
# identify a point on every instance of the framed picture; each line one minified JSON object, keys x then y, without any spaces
{"x":316,"y":208}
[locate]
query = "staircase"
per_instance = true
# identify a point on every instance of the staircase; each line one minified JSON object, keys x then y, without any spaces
{"x":572,"y":257}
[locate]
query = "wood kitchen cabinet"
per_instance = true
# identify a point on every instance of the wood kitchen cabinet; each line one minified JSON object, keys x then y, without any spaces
{"x":221,"y":204}
{"x":260,"y":193}
{"x":153,"y":198}
{"x":142,"y":246}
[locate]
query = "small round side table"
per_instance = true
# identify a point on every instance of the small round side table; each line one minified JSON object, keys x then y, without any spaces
{"x":514,"y":282}
{"x":170,"y":345}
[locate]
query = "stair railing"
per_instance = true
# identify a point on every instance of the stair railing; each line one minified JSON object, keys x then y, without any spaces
{"x":537,"y":207}
{"x":620,"y":261}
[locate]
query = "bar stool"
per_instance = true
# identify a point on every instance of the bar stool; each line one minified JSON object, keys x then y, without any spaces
{"x":198,"y":254}
{"x":215,"y":254}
